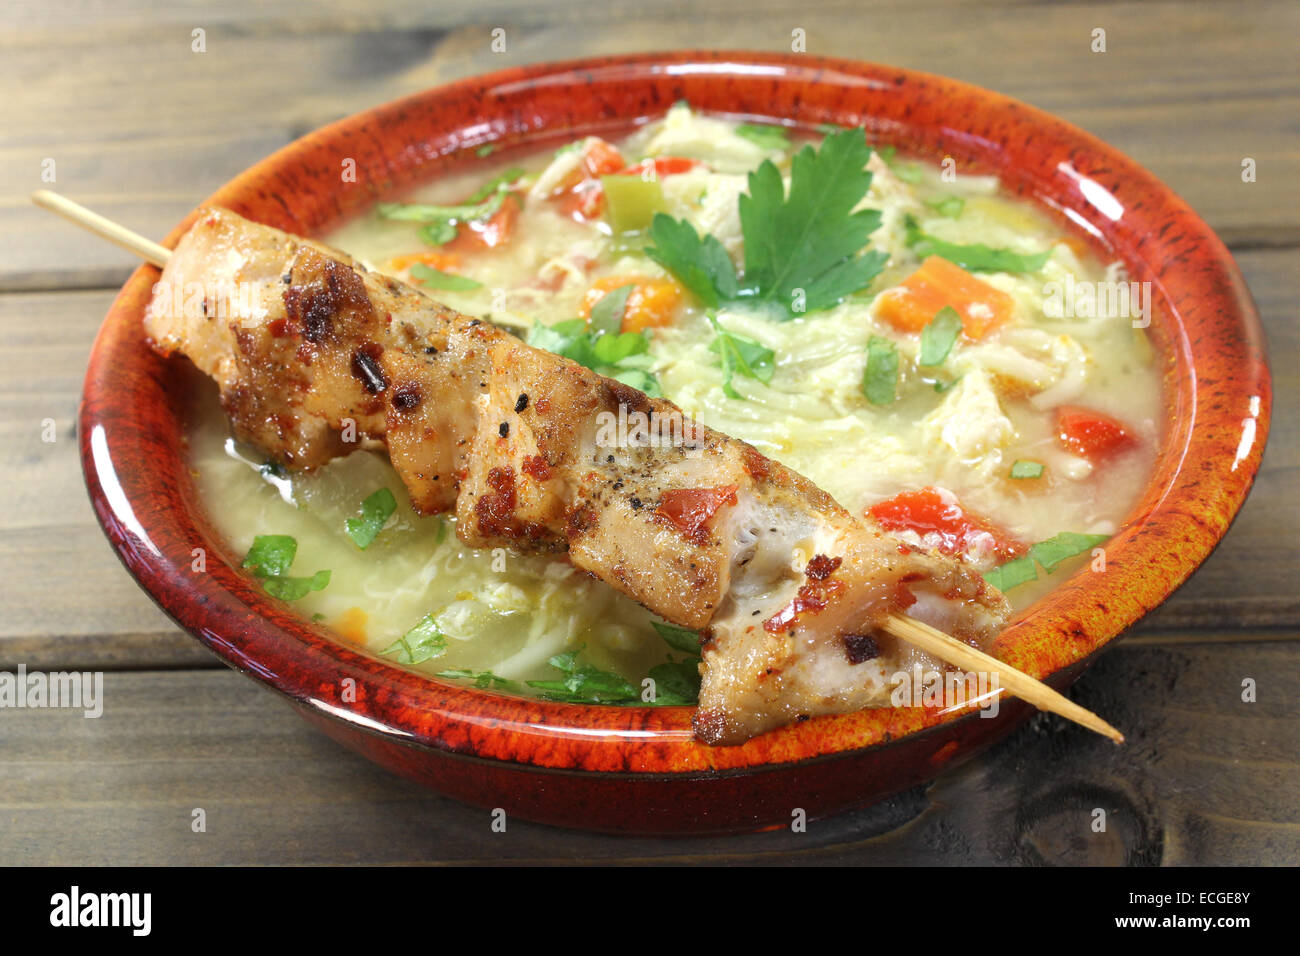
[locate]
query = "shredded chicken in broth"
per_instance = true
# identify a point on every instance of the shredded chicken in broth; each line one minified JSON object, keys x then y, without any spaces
{"x":980,"y":385}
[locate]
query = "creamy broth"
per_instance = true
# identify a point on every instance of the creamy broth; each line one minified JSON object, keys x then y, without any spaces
{"x":958,"y":426}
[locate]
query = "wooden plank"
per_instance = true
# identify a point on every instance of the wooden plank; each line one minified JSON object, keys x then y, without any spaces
{"x":144,"y":128}
{"x":1205,"y":778}
{"x":49,"y":539}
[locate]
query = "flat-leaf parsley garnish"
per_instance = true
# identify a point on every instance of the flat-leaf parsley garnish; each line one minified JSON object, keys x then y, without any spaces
{"x":803,"y":249}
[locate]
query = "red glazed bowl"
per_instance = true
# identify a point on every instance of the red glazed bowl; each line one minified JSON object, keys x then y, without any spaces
{"x":639,"y":769}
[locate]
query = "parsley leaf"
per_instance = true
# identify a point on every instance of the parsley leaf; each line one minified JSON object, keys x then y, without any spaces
{"x":620,"y":356}
{"x":271,"y":554}
{"x":975,"y":257}
{"x":482,"y":679}
{"x":1012,"y":574}
{"x":803,"y":251}
{"x":270,"y":558}
{"x":607,"y":313}
{"x":939,"y":336}
{"x":766,"y":136}
{"x":435,"y":279}
{"x":808,"y":242}
{"x":678,"y":638}
{"x":1065,"y":545}
{"x":676,"y":682}
{"x":288,"y":588}
{"x":702,"y":265}
{"x":880,"y":380}
{"x":375,"y":512}
{"x":583,"y":683}
{"x":421,"y":643}
{"x":741,"y":355}
{"x":440,"y":221}
{"x":1049,"y":554}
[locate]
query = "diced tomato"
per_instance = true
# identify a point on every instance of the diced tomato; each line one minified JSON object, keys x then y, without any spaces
{"x":663,"y":166}
{"x":938,"y":283}
{"x":585,"y":201}
{"x":1091,"y":434}
{"x":599,"y":158}
{"x":492,"y":232}
{"x":652,"y":304}
{"x":579,"y":194}
{"x":689,"y":509}
{"x":941,"y":520}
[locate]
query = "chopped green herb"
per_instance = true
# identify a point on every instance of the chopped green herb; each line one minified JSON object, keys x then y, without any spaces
{"x":497,"y":186}
{"x":1012,"y":574}
{"x":270,"y":558}
{"x":487,"y":149}
{"x":766,"y":136}
{"x":678,"y":638}
{"x":465,"y":212}
{"x":482,"y":679}
{"x":1049,"y":554}
{"x":584,"y":684}
{"x":435,"y":279}
{"x":421,"y":643}
{"x":441,"y":535}
{"x":1067,"y":544}
{"x":975,"y":257}
{"x":291,"y":589}
{"x":271,"y":554}
{"x":440,"y":222}
{"x":623,"y":356}
{"x":437,"y":233}
{"x":803,"y":250}
{"x":941,"y":386}
{"x":1026,"y":469}
{"x":702,"y":265}
{"x":938,"y":338}
{"x":676,"y":682}
{"x":880,"y":381}
{"x":375,"y":512}
{"x":948,"y":206}
{"x":607,"y":313}
{"x":741,"y":355}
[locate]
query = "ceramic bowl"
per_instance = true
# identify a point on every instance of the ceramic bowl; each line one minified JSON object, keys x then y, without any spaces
{"x":639,"y":769}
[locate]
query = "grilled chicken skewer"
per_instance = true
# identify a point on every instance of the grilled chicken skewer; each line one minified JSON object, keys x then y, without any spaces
{"x":798,"y":601}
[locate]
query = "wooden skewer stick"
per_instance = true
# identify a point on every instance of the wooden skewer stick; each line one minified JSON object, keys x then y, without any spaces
{"x":105,"y":228}
{"x":936,"y":642}
{"x":917,"y":633}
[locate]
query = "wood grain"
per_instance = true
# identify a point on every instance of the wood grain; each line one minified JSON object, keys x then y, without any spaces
{"x":141,"y":128}
{"x":169,"y":743}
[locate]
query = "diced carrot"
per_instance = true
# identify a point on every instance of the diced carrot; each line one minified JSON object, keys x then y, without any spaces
{"x":599,"y":158}
{"x":651,"y":305}
{"x":1091,"y":434}
{"x":943,"y":522}
{"x":585,"y":201}
{"x":352,"y":625}
{"x":938,"y":283}
{"x":492,"y":232}
{"x":441,"y":261}
{"x":663,"y":166}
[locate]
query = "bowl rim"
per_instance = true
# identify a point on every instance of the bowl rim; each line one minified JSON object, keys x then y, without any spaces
{"x":132,"y":452}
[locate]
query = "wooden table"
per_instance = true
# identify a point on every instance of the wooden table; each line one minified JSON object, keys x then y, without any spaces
{"x":141,"y":127}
